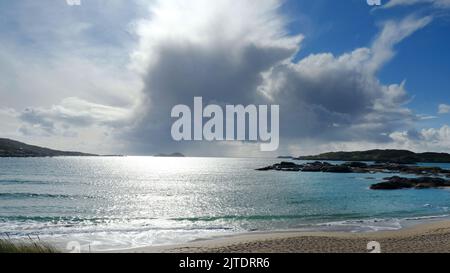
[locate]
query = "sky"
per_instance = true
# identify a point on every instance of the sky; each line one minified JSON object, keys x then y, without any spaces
{"x":102,"y":77}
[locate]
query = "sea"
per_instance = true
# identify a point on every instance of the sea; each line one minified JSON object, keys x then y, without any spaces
{"x":119,"y":203}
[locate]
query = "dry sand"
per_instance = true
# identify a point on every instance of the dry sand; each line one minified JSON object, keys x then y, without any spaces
{"x":426,"y":238}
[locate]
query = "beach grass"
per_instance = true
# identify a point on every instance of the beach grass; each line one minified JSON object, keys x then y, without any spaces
{"x":8,"y":245}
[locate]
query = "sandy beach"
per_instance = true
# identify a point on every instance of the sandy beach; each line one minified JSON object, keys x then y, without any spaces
{"x":425,"y":238}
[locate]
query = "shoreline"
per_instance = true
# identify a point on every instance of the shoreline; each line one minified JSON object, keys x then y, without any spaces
{"x":422,"y":238}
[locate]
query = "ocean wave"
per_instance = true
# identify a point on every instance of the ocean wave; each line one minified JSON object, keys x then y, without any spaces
{"x":38,"y":225}
{"x":40,"y":195}
{"x":377,"y":224}
{"x":268,"y":217}
{"x":67,"y":219}
{"x":21,"y":218}
{"x":427,"y":217}
{"x":237,"y":218}
{"x":26,"y":182}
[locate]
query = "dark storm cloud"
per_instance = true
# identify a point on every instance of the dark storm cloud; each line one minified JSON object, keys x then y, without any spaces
{"x":222,"y":67}
{"x":322,"y":97}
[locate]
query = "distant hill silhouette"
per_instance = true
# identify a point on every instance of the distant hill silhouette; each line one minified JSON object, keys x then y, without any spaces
{"x":170,"y":155}
{"x":393,"y":156}
{"x":12,"y":148}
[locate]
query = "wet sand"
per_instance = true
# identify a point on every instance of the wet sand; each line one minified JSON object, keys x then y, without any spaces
{"x":425,"y":238}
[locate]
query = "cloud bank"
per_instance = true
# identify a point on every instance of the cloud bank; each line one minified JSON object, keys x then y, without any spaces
{"x":249,"y":60}
{"x":217,"y":50}
{"x":434,"y":3}
{"x":444,"y":109}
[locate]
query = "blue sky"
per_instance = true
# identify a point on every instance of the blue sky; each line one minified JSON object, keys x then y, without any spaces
{"x":101,"y":77}
{"x":421,"y":60}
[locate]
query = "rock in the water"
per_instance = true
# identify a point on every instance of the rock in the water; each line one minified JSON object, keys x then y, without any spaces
{"x":337,"y":169}
{"x":393,"y":183}
{"x":361,"y":167}
{"x":401,"y":161}
{"x":287,"y":167}
{"x":269,"y":168}
{"x":397,"y":183}
{"x":312,"y":168}
{"x":317,"y":166}
{"x":356,"y":164}
{"x":283,"y":166}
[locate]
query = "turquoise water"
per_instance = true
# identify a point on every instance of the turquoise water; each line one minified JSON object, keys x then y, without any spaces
{"x":116,"y":203}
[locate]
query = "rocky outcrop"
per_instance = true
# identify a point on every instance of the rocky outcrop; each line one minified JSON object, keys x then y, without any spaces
{"x":12,"y":148}
{"x":359,"y":167}
{"x":382,"y":156}
{"x":283,"y":166}
{"x":268,"y":168}
{"x":397,"y":183}
{"x":316,"y":166}
{"x":356,"y":164}
{"x":432,"y":177}
{"x":338,"y":169}
{"x":309,"y":167}
{"x":312,"y":168}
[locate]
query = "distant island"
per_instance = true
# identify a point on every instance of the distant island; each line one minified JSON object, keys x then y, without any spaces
{"x":382,"y":156}
{"x":285,"y":157}
{"x":170,"y":155}
{"x":12,"y":148}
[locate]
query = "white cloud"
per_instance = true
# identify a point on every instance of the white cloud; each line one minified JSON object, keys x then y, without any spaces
{"x":426,"y":117}
{"x":323,"y":90}
{"x":220,"y":25}
{"x":68,"y":67}
{"x":425,"y":140}
{"x":431,"y":139}
{"x":444,"y":109}
{"x":214,"y":49}
{"x":75,"y":112}
{"x":435,"y":3}
{"x":394,"y":32}
{"x":29,"y":80}
{"x":210,"y":53}
{"x":66,"y":119}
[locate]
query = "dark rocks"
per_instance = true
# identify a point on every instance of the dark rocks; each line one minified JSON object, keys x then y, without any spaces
{"x":433,"y":175}
{"x":402,"y":161}
{"x":170,"y":155}
{"x":356,"y":164}
{"x":432,"y":182}
{"x":287,"y":167}
{"x":391,"y":186}
{"x":383,"y":156}
{"x":312,"y":169}
{"x":337,"y":169}
{"x":393,"y":183}
{"x":269,"y":168}
{"x":398,"y":168}
{"x":397,"y":183}
{"x":326,"y":167}
{"x":423,"y":170}
{"x":283,"y":166}
{"x":320,"y":167}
